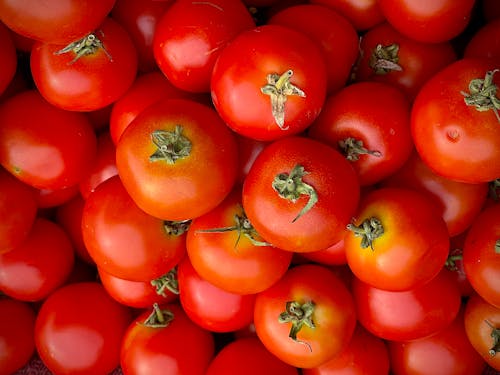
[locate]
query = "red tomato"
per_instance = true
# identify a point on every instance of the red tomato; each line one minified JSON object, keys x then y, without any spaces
{"x":369,"y":123}
{"x":365,"y":354}
{"x":42,"y":145}
{"x":455,"y":125}
{"x":482,"y":325}
{"x":248,"y":150}
{"x":481,"y":254}
{"x":446,"y":352}
{"x":166,"y":341}
{"x":333,"y":255}
{"x":407,"y":315}
{"x":210,"y":307}
{"x":8,"y":57}
{"x":247,"y":356}
{"x":191,"y":35}
{"x":54,"y":21}
{"x":78,"y":330}
{"x":269,"y":82}
{"x":89,"y":73}
{"x":49,"y":198}
{"x":331,"y":31}
{"x":18,"y":209}
{"x":17,"y":335}
{"x":455,"y":265}
{"x":490,"y":9}
{"x":180,"y":149}
{"x":307,"y":317}
{"x":485,"y":42}
{"x":300,"y":194}
{"x":425,"y":21}
{"x":397,"y":241}
{"x":111,"y":222}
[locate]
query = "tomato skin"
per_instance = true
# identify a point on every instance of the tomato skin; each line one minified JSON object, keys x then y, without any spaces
{"x":331,"y":256}
{"x":181,"y":347}
{"x":50,"y":198}
{"x":45,"y":147}
{"x":8,"y":57}
{"x":92,"y":81}
{"x":407,"y":315}
{"x":196,"y":183}
{"x":485,"y":42}
{"x":242,"y":70}
{"x":445,"y":130}
{"x":17,"y":327}
{"x":334,"y":316}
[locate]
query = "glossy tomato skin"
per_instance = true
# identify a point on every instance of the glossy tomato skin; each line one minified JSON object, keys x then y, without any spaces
{"x":87,"y":82}
{"x":413,"y":245}
{"x":50,"y":198}
{"x":276,"y":218}
{"x":244,"y":68}
{"x":42,"y":145}
{"x":481,"y":256}
{"x":190,"y":37}
{"x":374,"y":113}
{"x":8,"y":57}
{"x":407,"y":315}
{"x":333,"y":255}
{"x":196,"y":183}
{"x":247,"y":356}
{"x":79,"y":328}
{"x":333,"y":316}
{"x":485,"y":43}
{"x":179,"y":348}
{"x":17,"y":334}
{"x":124,"y":240}
{"x":445,"y":129}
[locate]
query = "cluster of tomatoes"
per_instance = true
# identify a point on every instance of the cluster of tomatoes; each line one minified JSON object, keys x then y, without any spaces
{"x":250,"y":186}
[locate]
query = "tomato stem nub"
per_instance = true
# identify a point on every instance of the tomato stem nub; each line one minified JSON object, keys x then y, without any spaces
{"x":166,"y":282}
{"x":291,"y":187}
{"x":278,"y":88}
{"x":450,"y":263}
{"x":176,"y":228}
{"x":85,"y":46}
{"x":299,"y":315}
{"x":171,"y":145}
{"x":369,"y":230}
{"x":482,"y":94}
{"x":495,"y":335}
{"x":158,"y":318}
{"x":494,"y":189}
{"x":352,"y":148}
{"x":385,"y":59}
{"x":497,"y":246}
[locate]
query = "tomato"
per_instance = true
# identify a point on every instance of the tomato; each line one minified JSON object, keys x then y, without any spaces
{"x":191,"y":35}
{"x":248,"y":150}
{"x":42,"y":145}
{"x":89,"y":73}
{"x":18,"y":209}
{"x":210,"y":307}
{"x":17,"y":332}
{"x":331,"y":31}
{"x":8,"y":57}
{"x":397,"y":240}
{"x":333,"y":255}
{"x":247,"y":356}
{"x":490,"y":9}
{"x":300,"y":194}
{"x":269,"y":82}
{"x":54,"y":21}
{"x":429,"y":22}
{"x":49,"y":198}
{"x":307,"y":317}
{"x":446,"y":352}
{"x":482,"y":322}
{"x":79,"y":328}
{"x":455,"y":131}
{"x":389,"y":56}
{"x":179,"y":149}
{"x":458,"y":202}
{"x":166,"y":341}
{"x":125,"y":241}
{"x":365,"y":354}
{"x":407,"y":315}
{"x":369,"y":122}
{"x":485,"y":42}
{"x":455,"y":265}
{"x":481,"y":254}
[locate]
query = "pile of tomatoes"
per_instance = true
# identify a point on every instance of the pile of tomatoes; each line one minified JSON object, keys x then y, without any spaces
{"x":250,"y":187}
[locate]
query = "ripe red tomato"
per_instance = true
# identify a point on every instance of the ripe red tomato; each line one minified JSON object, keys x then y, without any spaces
{"x":300,"y":194}
{"x":79,"y":328}
{"x":485,"y":42}
{"x":178,"y":149}
{"x":333,"y":255}
{"x":50,"y":198}
{"x":166,"y":341}
{"x":307,"y":317}
{"x":455,"y":265}
{"x":42,"y":145}
{"x":269,"y":82}
{"x":8,"y":57}
{"x":455,"y":122}
{"x":87,"y":74}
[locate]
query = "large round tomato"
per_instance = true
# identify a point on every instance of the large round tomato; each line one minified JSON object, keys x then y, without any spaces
{"x":455,"y":122}
{"x":307,"y":317}
{"x":300,"y":194}
{"x":177,"y":159}
{"x":269,"y":82}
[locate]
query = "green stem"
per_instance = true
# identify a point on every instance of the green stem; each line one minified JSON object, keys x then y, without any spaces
{"x":171,"y":145}
{"x":83,"y":47}
{"x":352,"y":148}
{"x":385,"y":59}
{"x":299,"y":315}
{"x":369,"y":230}
{"x":495,"y":335}
{"x":158,"y":318}
{"x":167,"y":282}
{"x":176,"y":228}
{"x":482,"y":94}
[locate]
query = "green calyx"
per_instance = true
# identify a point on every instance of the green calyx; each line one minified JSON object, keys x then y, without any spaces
{"x":352,"y":148}
{"x":158,"y":318}
{"x":166,"y":282}
{"x":482,"y":94}
{"x":495,"y":335}
{"x":369,"y":230}
{"x":83,"y":47}
{"x":497,"y":246}
{"x":171,"y":145}
{"x":299,"y":315}
{"x":385,"y":59}
{"x":176,"y":228}
{"x":291,"y":187}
